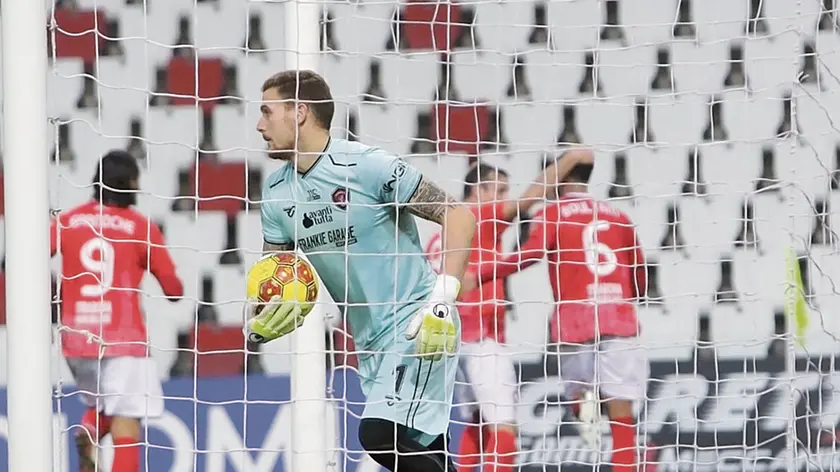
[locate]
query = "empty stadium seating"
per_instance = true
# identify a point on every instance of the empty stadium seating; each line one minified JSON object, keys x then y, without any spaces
{"x":720,"y":142}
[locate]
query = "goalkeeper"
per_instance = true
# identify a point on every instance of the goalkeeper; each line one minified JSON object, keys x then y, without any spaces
{"x":351,"y":209}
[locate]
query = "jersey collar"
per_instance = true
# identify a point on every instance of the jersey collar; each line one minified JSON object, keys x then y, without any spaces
{"x":319,"y":159}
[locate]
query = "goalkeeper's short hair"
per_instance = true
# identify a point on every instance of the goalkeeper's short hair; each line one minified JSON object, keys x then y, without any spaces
{"x":115,"y":180}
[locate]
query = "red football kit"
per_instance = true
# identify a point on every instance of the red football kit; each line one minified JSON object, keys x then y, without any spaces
{"x":482,"y":311}
{"x":595,"y":265}
{"x":105,"y":252}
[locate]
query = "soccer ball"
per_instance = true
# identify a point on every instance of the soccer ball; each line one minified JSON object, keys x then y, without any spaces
{"x":284,"y":274}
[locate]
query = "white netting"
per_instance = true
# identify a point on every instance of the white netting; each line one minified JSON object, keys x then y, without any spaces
{"x":714,"y":128}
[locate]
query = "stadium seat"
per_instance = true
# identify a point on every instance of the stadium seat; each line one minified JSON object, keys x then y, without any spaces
{"x":626,"y":72}
{"x":481,"y":76}
{"x":667,"y":336}
{"x":503,"y":26}
{"x":64,"y":85}
{"x":699,"y":69}
{"x":221,"y":186}
{"x":648,"y":21}
{"x":182,"y":80}
{"x":606,"y":124}
{"x":461,"y":128}
{"x":389,"y":127}
{"x":228,"y":294}
{"x":372,"y":18}
{"x":196,"y":241}
{"x":677,"y":119}
{"x":428,"y":26}
{"x":80,"y":33}
{"x":173,"y":134}
{"x":574,"y":25}
{"x":531,"y":126}
{"x":220,"y":350}
{"x":741,"y":334}
{"x":409,"y":78}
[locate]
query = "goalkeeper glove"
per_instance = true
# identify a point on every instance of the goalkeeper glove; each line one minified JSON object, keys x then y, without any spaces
{"x":277,"y":319}
{"x":433,"y":327}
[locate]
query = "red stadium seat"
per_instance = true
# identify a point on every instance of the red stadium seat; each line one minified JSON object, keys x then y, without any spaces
{"x":460,"y":128}
{"x":431,"y":26}
{"x":181,"y":80}
{"x":221,"y":186}
{"x":221,"y":350}
{"x":79,"y":32}
{"x":345,"y":348}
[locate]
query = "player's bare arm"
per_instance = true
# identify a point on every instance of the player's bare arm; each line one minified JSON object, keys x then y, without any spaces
{"x":271,"y":247}
{"x":551,"y":176}
{"x":431,"y":203}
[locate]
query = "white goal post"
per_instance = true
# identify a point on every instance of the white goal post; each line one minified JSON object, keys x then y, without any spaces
{"x":25,"y":163}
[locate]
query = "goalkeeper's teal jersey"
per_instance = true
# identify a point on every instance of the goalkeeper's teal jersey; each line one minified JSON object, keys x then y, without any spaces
{"x":344,"y":214}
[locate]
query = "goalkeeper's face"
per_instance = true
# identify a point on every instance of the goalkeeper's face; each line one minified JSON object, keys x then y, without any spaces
{"x":278,"y":125}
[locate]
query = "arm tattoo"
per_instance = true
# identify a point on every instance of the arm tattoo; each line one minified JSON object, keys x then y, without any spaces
{"x":271,"y":247}
{"x":430,"y":202}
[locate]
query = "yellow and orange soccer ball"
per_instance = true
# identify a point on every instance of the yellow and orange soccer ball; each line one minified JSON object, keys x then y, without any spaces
{"x":284,"y":274}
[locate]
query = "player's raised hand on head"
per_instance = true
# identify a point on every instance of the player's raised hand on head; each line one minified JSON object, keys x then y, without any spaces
{"x":555,"y":173}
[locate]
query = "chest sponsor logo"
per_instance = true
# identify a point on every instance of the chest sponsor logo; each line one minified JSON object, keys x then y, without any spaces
{"x":317,"y":217}
{"x":341,"y":197}
{"x":336,"y":238}
{"x":290,"y":211}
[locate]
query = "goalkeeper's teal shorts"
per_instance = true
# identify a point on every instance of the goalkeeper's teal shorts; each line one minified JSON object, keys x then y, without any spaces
{"x":408,"y":390}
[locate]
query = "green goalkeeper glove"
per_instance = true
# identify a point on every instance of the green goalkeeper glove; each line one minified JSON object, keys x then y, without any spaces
{"x":433,"y":327}
{"x":277,"y":319}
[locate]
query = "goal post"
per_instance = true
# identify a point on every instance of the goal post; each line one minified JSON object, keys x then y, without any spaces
{"x":309,"y":443}
{"x":27,"y":213}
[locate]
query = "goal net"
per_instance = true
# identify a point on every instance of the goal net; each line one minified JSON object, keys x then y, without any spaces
{"x":714,"y":124}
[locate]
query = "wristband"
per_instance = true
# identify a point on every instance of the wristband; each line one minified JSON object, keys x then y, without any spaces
{"x":446,"y":289}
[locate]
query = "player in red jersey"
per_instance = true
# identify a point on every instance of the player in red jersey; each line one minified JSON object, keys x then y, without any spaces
{"x":106,"y":248}
{"x":487,"y":378}
{"x":596,"y":269}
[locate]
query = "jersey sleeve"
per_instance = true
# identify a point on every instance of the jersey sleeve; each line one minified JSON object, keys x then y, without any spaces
{"x":272,"y":228}
{"x":388,"y":178}
{"x":493,"y":213}
{"x":638,"y":261}
{"x":161,"y":264}
{"x":542,"y":238}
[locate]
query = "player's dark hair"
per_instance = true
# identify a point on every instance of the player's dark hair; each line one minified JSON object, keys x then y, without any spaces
{"x":479,"y":174}
{"x":580,"y":173}
{"x":115,"y":179}
{"x":308,"y":87}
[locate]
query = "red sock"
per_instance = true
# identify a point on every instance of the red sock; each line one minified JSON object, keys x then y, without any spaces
{"x":469,"y":451}
{"x":624,"y":444}
{"x":501,"y":450}
{"x":126,"y":455}
{"x":97,"y":423}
